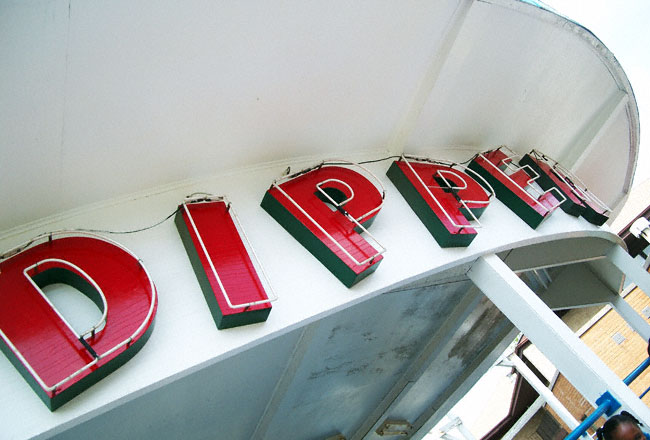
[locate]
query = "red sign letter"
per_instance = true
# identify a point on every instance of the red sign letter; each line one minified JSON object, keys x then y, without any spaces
{"x":325,"y":209}
{"x":55,"y":360}
{"x":578,"y":201}
{"x":514,"y":186}
{"x":221,"y":263}
{"x":446,"y":199}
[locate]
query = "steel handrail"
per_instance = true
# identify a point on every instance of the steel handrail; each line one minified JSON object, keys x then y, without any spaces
{"x":590,"y":420}
{"x":637,"y":371}
{"x":607,"y":405}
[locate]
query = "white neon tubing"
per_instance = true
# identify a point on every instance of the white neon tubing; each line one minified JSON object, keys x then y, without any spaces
{"x":250,"y":247}
{"x":516,"y":184}
{"x":435,"y":199}
{"x":536,"y":176}
{"x":349,"y":217}
{"x":99,"y":356}
{"x":484,"y":183}
{"x":101,"y":321}
{"x":214,"y":270}
{"x":580,"y":192}
{"x":338,"y":205}
{"x":441,"y":173}
{"x":334,"y":162}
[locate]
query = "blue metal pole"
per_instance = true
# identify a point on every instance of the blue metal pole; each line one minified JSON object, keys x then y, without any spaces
{"x":586,"y":423}
{"x":644,"y":393}
{"x":637,"y":371}
{"x":607,"y":404}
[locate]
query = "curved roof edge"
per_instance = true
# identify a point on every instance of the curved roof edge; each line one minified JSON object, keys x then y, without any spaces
{"x":540,"y":10}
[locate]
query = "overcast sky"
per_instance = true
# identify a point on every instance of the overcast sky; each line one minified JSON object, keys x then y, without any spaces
{"x":624,"y":27}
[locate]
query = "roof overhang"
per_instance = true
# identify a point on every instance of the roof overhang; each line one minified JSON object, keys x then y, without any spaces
{"x":102,"y":101}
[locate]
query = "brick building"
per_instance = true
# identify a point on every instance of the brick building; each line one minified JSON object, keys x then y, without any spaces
{"x":618,"y":345}
{"x":612,"y":340}
{"x":615,"y":342}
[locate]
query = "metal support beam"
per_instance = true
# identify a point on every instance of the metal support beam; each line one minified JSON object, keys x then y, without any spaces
{"x":584,"y":287}
{"x":582,"y":144}
{"x":459,"y":387}
{"x":586,"y":372}
{"x":633,"y":271}
{"x":428,"y":82}
{"x":456,"y":423}
{"x":631,"y":316}
{"x":419,"y":365}
{"x":584,"y":282}
{"x":285,"y":380}
{"x":544,"y":392}
{"x":525,"y":418}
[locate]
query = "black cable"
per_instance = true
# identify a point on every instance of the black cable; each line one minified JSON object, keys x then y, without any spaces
{"x":469,"y":160}
{"x":129,"y":232}
{"x":103,"y":231}
{"x":16,"y":251}
{"x":379,"y":160}
{"x":351,"y":163}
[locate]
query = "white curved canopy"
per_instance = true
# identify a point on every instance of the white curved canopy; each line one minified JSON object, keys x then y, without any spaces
{"x":100,"y":100}
{"x":133,"y":105}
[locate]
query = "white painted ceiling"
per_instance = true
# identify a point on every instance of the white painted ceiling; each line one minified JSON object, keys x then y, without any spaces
{"x":102,"y":99}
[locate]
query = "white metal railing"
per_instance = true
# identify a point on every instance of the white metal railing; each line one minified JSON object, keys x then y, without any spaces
{"x":98,"y":357}
{"x":477,"y":223}
{"x":276,"y":184}
{"x":570,"y":179}
{"x":235,"y":218}
{"x":560,"y":197}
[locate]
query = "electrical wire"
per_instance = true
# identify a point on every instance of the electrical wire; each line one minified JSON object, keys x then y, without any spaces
{"x":378,"y":160}
{"x":18,"y":250}
{"x":128,"y":232}
{"x":346,"y":163}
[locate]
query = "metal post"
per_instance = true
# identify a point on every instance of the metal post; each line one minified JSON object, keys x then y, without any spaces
{"x":543,"y":391}
{"x":607,"y":406}
{"x":524,"y":419}
{"x":633,"y":271}
{"x":456,"y":423}
{"x":586,"y":372}
{"x":637,"y":371}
